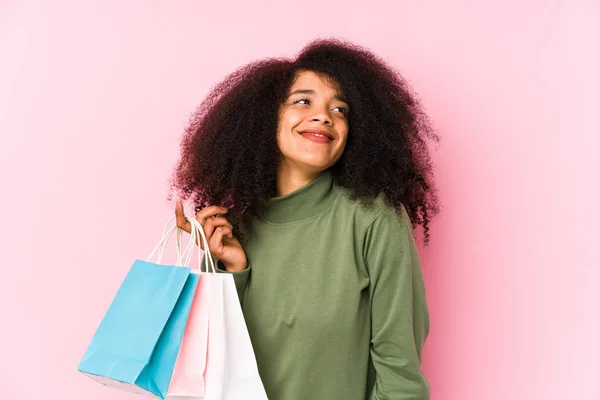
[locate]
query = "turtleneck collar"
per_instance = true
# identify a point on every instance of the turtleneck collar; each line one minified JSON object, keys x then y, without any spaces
{"x":303,"y":203}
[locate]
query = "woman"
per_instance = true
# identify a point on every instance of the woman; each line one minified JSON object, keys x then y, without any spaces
{"x":309,"y":176}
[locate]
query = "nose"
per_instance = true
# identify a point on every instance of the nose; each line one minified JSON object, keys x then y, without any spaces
{"x":321,"y":116}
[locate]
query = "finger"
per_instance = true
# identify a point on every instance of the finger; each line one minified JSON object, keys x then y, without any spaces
{"x":209,"y":229}
{"x":182,"y":222}
{"x":219,"y":221}
{"x":212,"y":224}
{"x":209,"y":212}
{"x":227,"y":232}
{"x":216,"y":242}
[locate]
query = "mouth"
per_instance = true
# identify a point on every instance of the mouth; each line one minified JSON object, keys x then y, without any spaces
{"x":317,"y":134}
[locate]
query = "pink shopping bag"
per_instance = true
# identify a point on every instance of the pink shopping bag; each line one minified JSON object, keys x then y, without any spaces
{"x":187,"y":381}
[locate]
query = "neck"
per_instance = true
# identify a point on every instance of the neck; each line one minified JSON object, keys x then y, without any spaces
{"x":291,"y":179}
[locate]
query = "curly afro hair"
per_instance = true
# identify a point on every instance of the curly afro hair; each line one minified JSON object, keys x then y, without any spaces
{"x":229,"y":152}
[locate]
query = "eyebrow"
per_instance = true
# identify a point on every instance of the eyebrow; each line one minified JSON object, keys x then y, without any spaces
{"x":310,"y":91}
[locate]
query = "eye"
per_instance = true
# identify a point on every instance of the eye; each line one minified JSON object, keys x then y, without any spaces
{"x":299,"y":100}
{"x":343,"y":110}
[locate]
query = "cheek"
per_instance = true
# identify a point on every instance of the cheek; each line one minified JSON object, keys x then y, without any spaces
{"x":344,"y":137}
{"x":288,"y":120}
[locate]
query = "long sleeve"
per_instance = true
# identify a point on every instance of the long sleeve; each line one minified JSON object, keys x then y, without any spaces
{"x":399,"y":315}
{"x":240,"y":278}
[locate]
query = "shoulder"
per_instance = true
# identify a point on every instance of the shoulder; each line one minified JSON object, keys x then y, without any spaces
{"x":374,"y":214}
{"x":372,"y":210}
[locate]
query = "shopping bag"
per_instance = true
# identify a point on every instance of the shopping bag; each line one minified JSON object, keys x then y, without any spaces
{"x":137,"y":343}
{"x":241,"y":371}
{"x":214,"y":374}
{"x":187,"y":381}
{"x":231,"y":371}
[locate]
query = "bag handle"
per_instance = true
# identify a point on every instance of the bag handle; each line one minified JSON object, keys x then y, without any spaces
{"x":208,"y":258}
{"x":162,"y":243}
{"x":196,"y":229}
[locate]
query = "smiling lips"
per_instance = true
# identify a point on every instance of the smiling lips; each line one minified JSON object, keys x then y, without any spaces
{"x":317,"y":135}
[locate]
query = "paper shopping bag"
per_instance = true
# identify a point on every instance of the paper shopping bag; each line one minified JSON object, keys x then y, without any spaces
{"x":214,"y":374}
{"x":187,"y":381}
{"x":137,"y":342}
{"x":241,"y":371}
{"x":231,"y":370}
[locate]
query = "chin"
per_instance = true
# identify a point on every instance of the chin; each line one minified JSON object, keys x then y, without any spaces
{"x":318,"y":167}
{"x":311,"y":164}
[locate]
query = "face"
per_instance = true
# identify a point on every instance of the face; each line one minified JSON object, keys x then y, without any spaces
{"x":313,"y":124}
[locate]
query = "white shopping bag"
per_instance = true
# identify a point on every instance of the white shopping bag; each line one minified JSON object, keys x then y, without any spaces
{"x":215,"y":374}
{"x":241,"y":371}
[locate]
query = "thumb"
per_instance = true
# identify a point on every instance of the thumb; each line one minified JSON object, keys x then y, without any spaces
{"x":182,"y":222}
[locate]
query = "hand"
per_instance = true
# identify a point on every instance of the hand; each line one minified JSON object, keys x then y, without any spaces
{"x":219,"y":235}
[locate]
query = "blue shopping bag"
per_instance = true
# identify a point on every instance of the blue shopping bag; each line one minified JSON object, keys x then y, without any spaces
{"x":136,"y":345}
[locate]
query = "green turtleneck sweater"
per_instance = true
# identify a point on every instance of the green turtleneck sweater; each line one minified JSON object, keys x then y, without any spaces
{"x":334,"y":298}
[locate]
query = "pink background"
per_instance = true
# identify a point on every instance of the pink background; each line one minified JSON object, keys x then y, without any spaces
{"x":94,"y":96}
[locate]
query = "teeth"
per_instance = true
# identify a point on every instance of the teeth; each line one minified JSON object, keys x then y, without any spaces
{"x":318,"y":134}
